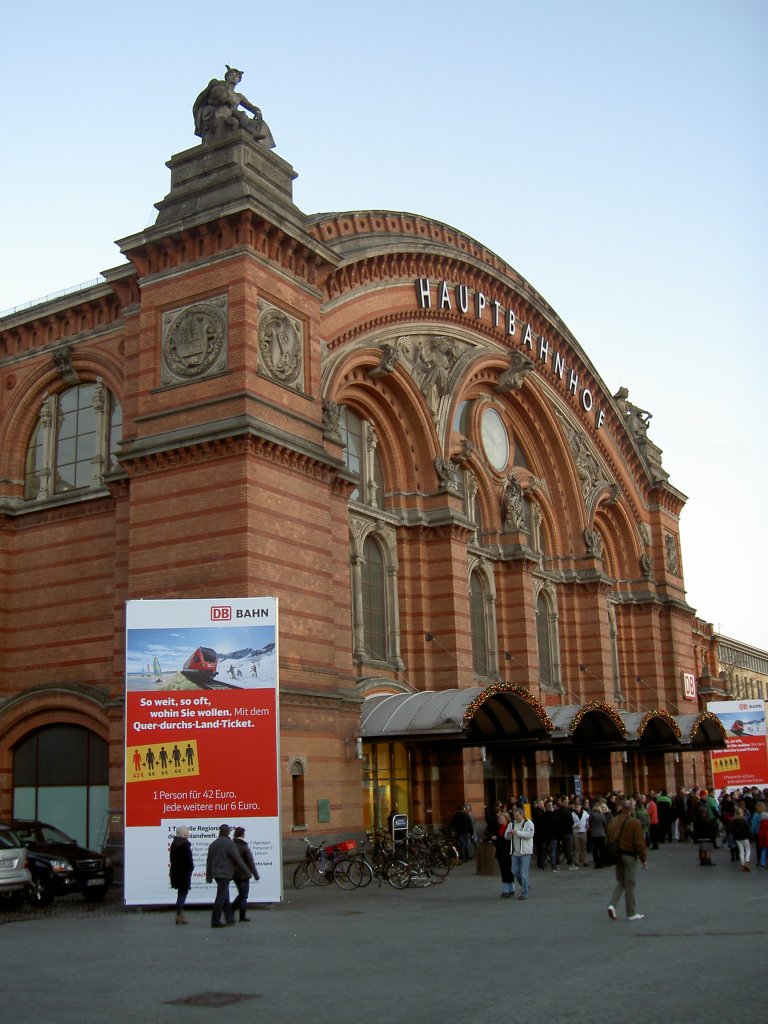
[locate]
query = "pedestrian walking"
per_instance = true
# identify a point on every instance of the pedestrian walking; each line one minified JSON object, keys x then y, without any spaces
{"x":740,"y":834}
{"x":504,"y":855}
{"x":598,"y":823}
{"x":520,"y":832}
{"x":222,"y":862}
{"x":628,"y":833}
{"x":704,"y":832}
{"x":181,"y":867}
{"x":243,"y":878}
{"x":463,"y":825}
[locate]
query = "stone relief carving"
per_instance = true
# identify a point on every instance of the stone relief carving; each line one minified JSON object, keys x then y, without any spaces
{"x":591,"y":475}
{"x":195,"y":341}
{"x":332,"y":420}
{"x":465,"y":452}
{"x":448,"y":473}
{"x":281,"y":346}
{"x":436,"y":358}
{"x":670,"y":547}
{"x":217,"y":114}
{"x":389,"y":360}
{"x":520,"y":365}
{"x":646,"y":567}
{"x":594,"y":543}
{"x":62,"y":360}
{"x":429,"y":360}
{"x":512,"y":507}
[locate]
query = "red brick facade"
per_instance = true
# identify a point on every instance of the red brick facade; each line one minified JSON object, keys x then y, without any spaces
{"x":232,"y":481}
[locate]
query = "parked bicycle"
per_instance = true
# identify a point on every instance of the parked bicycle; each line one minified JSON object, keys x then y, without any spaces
{"x":325,"y":864}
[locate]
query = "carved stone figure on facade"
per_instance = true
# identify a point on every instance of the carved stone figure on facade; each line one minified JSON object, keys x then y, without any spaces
{"x":332,"y":420}
{"x":217,"y":114}
{"x":646,"y":566}
{"x":62,"y":360}
{"x":636,"y":419}
{"x":448,"y":473}
{"x":670,"y":546}
{"x":437,"y":357}
{"x":513,"y":508}
{"x":594,"y":543}
{"x":389,"y":360}
{"x":520,"y":365}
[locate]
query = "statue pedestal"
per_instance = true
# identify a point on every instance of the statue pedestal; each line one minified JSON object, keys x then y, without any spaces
{"x":218,"y":177}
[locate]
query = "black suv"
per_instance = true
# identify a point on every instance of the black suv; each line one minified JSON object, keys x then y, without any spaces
{"x":59,"y":866}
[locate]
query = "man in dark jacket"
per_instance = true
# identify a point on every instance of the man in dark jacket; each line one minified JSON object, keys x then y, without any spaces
{"x":243,"y":878}
{"x":222,"y":862}
{"x":628,"y":833}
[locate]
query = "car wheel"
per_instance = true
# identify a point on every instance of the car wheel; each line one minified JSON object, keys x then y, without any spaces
{"x":96,"y":894}
{"x":40,"y":893}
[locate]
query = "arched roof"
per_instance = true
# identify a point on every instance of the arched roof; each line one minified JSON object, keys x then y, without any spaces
{"x":475,"y":714}
{"x":655,"y":729}
{"x":703,"y":732}
{"x":592,"y":723}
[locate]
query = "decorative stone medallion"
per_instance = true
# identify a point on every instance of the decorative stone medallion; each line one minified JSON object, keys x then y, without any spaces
{"x":281,"y":346}
{"x":195,"y":341}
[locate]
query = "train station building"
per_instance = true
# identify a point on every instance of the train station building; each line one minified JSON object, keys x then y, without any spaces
{"x":369,"y":415}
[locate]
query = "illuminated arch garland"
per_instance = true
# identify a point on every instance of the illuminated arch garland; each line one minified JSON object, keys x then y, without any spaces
{"x":659,"y":713}
{"x":519,"y":691}
{"x":597,"y":705}
{"x":708,"y":716}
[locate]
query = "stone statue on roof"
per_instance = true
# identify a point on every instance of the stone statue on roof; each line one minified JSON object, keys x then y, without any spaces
{"x":217,"y":114}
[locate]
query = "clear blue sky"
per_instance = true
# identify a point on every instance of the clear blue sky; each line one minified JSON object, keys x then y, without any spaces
{"x":613,"y":152}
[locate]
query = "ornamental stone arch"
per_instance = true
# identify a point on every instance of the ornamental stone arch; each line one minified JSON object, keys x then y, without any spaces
{"x":408,"y":438}
{"x":25,"y":403}
{"x":621,"y":547}
{"x":550,"y":460}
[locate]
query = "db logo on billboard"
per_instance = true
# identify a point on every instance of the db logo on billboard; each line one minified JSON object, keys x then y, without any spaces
{"x":221,"y":613}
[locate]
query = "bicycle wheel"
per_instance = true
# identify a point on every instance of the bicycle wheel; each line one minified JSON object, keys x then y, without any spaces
{"x":366,"y":873}
{"x":398,"y":874}
{"x":301,"y":877}
{"x":438,"y":865}
{"x":345,"y":874}
{"x":319,"y":872}
{"x":450,"y":854}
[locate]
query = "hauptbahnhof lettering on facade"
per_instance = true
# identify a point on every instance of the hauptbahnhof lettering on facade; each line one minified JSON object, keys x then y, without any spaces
{"x":472,"y":302}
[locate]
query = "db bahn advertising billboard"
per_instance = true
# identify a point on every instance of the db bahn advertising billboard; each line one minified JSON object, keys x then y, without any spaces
{"x":744,"y":762}
{"x":201,"y":739}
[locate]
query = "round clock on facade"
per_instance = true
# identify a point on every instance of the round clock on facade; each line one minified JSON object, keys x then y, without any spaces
{"x":495,"y":439}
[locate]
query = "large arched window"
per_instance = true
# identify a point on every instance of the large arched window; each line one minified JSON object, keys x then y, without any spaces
{"x":61,"y":777}
{"x":74,"y":442}
{"x":481,"y":662}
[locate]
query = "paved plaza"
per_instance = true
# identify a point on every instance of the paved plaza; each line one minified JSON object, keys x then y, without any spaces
{"x":446,"y":953}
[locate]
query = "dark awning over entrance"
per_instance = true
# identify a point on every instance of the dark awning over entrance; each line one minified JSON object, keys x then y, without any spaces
{"x":475,"y":716}
{"x":653,"y":730}
{"x":510,"y":715}
{"x":702,"y":732}
{"x":593,"y":724}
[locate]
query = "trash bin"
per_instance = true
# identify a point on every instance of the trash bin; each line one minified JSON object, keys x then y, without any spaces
{"x":486,"y":859}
